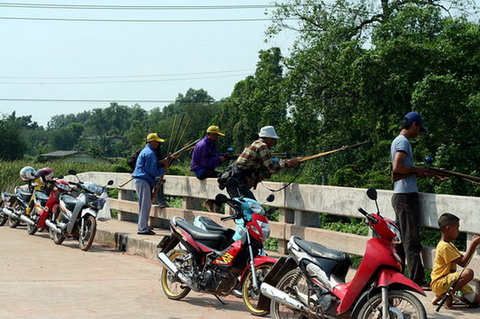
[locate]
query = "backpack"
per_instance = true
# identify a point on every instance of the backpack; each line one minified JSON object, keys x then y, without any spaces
{"x":132,"y":160}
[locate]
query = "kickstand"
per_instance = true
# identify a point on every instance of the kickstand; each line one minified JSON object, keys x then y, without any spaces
{"x":221,"y":301}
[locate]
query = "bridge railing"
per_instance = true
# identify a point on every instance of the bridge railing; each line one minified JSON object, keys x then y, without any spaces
{"x":299,"y":206}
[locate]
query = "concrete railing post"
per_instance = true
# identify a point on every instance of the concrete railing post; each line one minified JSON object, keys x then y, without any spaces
{"x":126,"y":194}
{"x":475,"y":283}
{"x":306,"y":219}
{"x":192,"y":203}
{"x":285,"y":216}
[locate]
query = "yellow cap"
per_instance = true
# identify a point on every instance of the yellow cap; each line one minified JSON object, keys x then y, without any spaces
{"x":154,"y":137}
{"x":214,"y":129}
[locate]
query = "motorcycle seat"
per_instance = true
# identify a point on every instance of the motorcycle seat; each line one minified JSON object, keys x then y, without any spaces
{"x":7,"y":194}
{"x":212,"y":240}
{"x":317,"y":250}
{"x":213,"y":227}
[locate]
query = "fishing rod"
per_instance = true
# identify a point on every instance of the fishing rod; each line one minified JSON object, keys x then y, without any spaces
{"x":343,"y":148}
{"x":436,"y":171}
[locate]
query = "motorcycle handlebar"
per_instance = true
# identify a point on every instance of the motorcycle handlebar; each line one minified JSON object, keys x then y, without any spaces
{"x":368,"y":216}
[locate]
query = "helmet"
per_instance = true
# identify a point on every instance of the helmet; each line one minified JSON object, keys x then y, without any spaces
{"x":63,"y":185}
{"x":27,"y":173}
{"x":46,"y":173}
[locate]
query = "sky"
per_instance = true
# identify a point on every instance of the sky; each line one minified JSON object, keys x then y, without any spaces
{"x":60,"y":67}
{"x":124,"y":61}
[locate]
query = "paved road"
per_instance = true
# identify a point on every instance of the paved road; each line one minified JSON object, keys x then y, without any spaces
{"x":39,"y":279}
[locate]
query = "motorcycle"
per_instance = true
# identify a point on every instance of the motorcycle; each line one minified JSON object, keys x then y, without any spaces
{"x":214,"y":262}
{"x":75,"y":217}
{"x":59,"y":186}
{"x":310,"y":283}
{"x":20,"y":206}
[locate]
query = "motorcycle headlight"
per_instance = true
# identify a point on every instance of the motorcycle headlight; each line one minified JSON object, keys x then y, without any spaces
{"x":265,"y":230}
{"x":397,"y":239}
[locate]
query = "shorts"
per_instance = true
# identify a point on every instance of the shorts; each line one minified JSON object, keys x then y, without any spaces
{"x":441,"y":285}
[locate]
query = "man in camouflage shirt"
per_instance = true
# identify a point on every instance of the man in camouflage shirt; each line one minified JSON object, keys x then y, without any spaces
{"x":256,"y":163}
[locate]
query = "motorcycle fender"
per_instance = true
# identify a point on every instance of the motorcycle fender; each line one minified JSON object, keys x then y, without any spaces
{"x":389,"y":277}
{"x":88,"y":211}
{"x":168,"y":243}
{"x":281,"y":267}
{"x":259,"y":260}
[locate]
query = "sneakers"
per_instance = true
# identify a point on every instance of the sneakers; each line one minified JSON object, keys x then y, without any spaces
{"x":163,"y":205}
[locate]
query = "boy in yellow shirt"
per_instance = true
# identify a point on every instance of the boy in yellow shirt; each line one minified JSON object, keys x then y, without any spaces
{"x":447,"y":257}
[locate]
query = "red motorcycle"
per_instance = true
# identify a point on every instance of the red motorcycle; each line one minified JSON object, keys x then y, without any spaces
{"x":60,"y":186}
{"x":310,"y":283}
{"x":213,"y":262}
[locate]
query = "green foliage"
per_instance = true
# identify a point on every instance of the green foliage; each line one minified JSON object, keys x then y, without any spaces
{"x":9,"y":174}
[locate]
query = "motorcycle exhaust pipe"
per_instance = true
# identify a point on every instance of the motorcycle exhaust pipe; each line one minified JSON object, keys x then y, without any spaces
{"x":27,"y":220}
{"x":283,"y":298}
{"x":174,"y":269}
{"x":8,"y":212}
{"x":52,"y":226}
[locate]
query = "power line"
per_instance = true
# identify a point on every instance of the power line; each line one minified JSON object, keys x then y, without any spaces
{"x":141,"y":20}
{"x":123,"y":7}
{"x":128,"y":81}
{"x":122,"y":76}
{"x":100,"y":100}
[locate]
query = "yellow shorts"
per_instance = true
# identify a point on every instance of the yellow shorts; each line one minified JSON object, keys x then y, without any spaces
{"x":441,"y":285}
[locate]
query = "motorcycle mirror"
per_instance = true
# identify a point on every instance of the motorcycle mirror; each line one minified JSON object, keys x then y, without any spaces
{"x":372,"y":193}
{"x":110,"y":182}
{"x":72,"y":172}
{"x":270,"y":198}
{"x":221,"y":198}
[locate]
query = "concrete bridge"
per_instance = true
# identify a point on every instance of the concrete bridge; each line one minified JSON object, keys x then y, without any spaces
{"x":299,"y":207}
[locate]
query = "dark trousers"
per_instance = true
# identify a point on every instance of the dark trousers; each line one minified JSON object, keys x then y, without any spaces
{"x":243,"y":191}
{"x":407,"y":212}
{"x":209,"y":173}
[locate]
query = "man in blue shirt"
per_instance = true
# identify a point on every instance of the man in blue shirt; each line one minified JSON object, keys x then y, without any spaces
{"x":405,"y":195}
{"x":147,"y":169}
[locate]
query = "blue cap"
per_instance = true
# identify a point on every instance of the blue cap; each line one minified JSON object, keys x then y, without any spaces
{"x":415,"y":117}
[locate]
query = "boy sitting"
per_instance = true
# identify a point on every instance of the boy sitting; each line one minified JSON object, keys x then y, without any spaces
{"x":447,"y":258}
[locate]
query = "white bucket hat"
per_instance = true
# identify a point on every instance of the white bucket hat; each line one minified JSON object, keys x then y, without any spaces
{"x":268,"y":131}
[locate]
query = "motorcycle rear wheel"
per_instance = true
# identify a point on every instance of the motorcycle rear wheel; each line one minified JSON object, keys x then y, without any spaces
{"x":31,"y":229}
{"x":13,"y":222}
{"x":293,"y":278}
{"x":250,"y":295}
{"x":87,"y":233}
{"x":174,"y":290}
{"x":402,"y":304}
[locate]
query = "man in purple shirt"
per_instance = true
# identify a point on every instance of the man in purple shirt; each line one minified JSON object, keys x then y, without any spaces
{"x":205,"y":158}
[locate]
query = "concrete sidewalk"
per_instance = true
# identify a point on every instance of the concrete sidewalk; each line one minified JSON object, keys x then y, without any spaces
{"x":123,"y":237}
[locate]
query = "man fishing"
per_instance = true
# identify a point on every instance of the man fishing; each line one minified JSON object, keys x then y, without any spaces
{"x":256,"y":163}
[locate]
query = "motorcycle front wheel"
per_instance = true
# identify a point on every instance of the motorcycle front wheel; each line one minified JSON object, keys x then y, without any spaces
{"x":294,"y":280}
{"x":87,"y":232}
{"x":172,"y":288}
{"x":3,"y":218}
{"x":402,"y":304}
{"x":250,"y":295}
